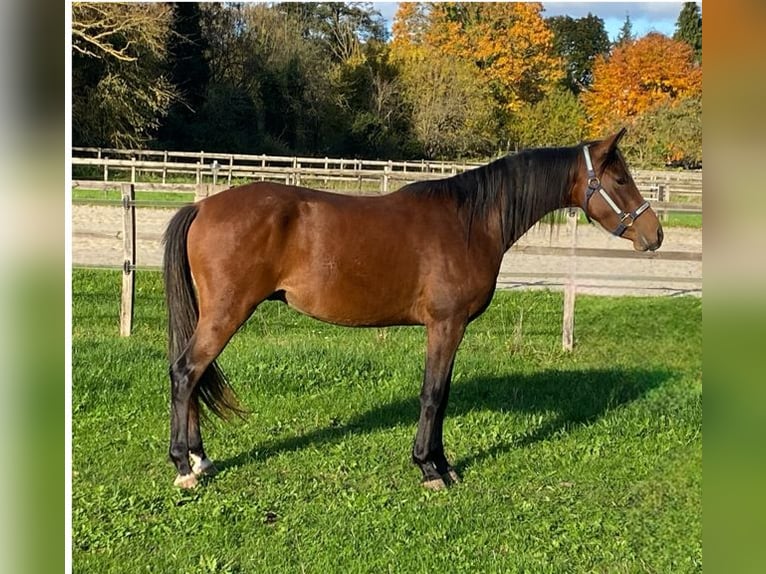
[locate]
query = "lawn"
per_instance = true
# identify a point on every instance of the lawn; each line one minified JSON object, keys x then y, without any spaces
{"x":582,"y":462}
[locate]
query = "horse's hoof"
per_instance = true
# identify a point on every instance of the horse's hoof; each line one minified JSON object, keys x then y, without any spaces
{"x":435,"y":484}
{"x":202,"y":466}
{"x":186,"y":481}
{"x":453,"y":476}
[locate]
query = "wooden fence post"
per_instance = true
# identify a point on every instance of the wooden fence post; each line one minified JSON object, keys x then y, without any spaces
{"x":133,"y":169}
{"x":661,"y":198}
{"x":129,"y":258}
{"x":165,"y":166}
{"x":570,"y":290}
{"x":203,"y":191}
{"x":384,"y":181}
{"x":106,"y":168}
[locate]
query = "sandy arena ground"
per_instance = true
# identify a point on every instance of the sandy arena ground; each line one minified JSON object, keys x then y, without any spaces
{"x":97,"y":241}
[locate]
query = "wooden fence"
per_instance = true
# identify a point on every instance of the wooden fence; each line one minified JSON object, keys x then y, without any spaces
{"x":160,"y":171}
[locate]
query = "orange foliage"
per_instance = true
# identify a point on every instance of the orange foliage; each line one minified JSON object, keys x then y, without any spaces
{"x":508,"y":42}
{"x":408,"y":28}
{"x":638,"y":77}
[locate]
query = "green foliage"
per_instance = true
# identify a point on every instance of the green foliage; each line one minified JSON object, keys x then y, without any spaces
{"x":689,"y":28}
{"x":578,"y":42}
{"x":119,"y":92}
{"x":189,"y":71}
{"x":589,"y":462}
{"x":625,"y":35}
{"x":453,"y":114}
{"x":667,"y":135}
{"x":559,"y":119}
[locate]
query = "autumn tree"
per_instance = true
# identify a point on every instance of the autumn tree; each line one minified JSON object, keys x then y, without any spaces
{"x":578,"y":41}
{"x":652,"y":71}
{"x":508,"y":41}
{"x":119,"y":90}
{"x":409,"y":27}
{"x":689,"y":28}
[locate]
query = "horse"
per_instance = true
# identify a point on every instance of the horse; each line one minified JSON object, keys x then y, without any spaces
{"x":428,"y":254}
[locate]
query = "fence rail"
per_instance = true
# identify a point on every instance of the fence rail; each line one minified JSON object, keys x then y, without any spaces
{"x":120,"y":165}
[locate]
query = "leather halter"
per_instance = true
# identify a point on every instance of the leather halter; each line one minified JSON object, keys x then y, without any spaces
{"x":594,"y":185}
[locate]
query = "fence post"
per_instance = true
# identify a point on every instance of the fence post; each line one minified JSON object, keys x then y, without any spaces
{"x":106,"y":168}
{"x":203,"y":190}
{"x":133,"y":169}
{"x":263,"y":167}
{"x":231,"y":167}
{"x":570,"y":289}
{"x":661,"y":198}
{"x":129,"y":258}
{"x":165,"y":166}
{"x":384,"y":181}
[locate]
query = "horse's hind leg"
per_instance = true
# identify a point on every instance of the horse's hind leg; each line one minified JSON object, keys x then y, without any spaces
{"x":201,"y":464}
{"x":212,"y":333}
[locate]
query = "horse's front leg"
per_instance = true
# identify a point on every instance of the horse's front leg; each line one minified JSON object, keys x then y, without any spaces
{"x":428,"y":450}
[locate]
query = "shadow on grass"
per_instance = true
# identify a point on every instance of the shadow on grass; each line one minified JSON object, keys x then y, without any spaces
{"x":577,"y":398}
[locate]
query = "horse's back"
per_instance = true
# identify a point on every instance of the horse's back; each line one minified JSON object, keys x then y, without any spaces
{"x":352,"y":260}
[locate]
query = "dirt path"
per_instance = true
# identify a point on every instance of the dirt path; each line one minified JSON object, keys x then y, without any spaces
{"x":97,"y":240}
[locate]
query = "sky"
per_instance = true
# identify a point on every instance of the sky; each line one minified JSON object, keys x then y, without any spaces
{"x":645,"y":16}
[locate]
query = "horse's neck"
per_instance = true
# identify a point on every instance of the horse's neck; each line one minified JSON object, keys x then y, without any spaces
{"x":536,"y":215}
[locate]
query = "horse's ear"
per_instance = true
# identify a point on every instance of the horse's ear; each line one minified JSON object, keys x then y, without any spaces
{"x":607,"y":146}
{"x":610,"y":143}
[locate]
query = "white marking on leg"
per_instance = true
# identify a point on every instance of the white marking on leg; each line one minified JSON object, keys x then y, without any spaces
{"x":201,"y":465}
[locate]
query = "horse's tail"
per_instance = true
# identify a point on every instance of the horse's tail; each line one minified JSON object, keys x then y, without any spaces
{"x":181,"y":302}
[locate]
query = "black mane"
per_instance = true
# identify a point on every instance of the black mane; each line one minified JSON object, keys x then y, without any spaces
{"x":520,"y":188}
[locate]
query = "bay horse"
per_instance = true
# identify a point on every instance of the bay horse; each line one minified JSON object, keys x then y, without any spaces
{"x":428,"y":254}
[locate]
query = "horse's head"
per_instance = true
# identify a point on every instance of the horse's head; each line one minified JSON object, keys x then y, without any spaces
{"x":607,"y":193}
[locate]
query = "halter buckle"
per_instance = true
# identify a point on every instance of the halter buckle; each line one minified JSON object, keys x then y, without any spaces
{"x":627,"y":216}
{"x":594,"y":182}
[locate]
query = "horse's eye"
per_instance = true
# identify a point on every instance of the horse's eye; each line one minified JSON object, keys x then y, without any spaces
{"x":621,"y":181}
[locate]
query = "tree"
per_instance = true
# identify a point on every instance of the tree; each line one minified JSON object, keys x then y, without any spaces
{"x":119,"y":92}
{"x":410,"y":25}
{"x":578,"y":42}
{"x":189,"y":72}
{"x":636,"y":77}
{"x":558,"y":119}
{"x":625,"y":36}
{"x":668,"y":134}
{"x":689,"y":28}
{"x":509,"y":43}
{"x":370,"y":93}
{"x":339,"y":27}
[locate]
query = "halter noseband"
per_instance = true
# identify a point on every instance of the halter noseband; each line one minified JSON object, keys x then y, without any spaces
{"x":594,"y":185}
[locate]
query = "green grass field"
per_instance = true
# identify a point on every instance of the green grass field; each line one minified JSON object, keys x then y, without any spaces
{"x":582,"y":462}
